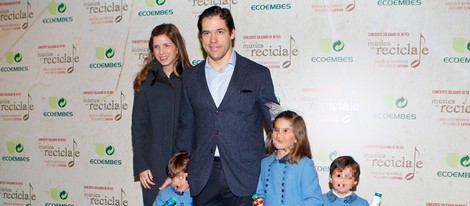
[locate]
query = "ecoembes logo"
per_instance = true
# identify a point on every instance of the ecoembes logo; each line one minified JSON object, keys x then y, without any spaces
{"x":15,"y":149}
{"x":152,"y":4}
{"x":60,"y":197}
{"x":462,"y":46}
{"x":105,"y":151}
{"x":324,"y":159}
{"x":101,"y":150}
{"x":58,"y":194}
{"x":261,"y":7}
{"x":456,"y":161}
{"x":54,"y":9}
{"x":399,"y":103}
{"x":332,"y":46}
{"x":398,"y":3}
{"x":57,"y":103}
{"x":105,"y":54}
{"x":13,"y":59}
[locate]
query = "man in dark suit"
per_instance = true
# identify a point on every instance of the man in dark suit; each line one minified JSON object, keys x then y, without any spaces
{"x":222,"y":114}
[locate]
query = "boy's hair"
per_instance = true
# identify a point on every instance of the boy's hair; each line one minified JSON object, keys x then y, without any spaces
{"x":178,"y":163}
{"x":302,"y":147}
{"x":344,"y":162}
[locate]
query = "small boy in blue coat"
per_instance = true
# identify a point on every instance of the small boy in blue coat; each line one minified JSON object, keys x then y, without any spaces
{"x":178,"y":191}
{"x":344,"y":177}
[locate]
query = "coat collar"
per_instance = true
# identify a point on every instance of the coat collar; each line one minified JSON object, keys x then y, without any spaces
{"x":158,"y":75}
{"x":273,"y":159}
{"x":348,"y":199}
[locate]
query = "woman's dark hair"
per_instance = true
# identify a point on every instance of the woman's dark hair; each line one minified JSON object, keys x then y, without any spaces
{"x":175,"y":36}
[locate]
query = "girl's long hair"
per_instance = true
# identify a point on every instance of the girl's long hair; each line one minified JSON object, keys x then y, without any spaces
{"x":302,"y":147}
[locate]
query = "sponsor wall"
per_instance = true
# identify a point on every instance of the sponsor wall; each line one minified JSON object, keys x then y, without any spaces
{"x":385,"y":81}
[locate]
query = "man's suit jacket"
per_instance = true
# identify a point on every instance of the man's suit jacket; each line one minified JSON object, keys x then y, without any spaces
{"x":236,"y":126}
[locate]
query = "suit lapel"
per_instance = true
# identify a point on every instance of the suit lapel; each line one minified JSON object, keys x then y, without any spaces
{"x":204,"y":88}
{"x":238,"y":76}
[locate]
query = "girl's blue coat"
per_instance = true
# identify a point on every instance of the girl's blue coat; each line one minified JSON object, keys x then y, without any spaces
{"x":282,"y":183}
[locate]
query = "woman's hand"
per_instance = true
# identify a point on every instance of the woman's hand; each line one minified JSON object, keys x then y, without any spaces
{"x":146,"y":179}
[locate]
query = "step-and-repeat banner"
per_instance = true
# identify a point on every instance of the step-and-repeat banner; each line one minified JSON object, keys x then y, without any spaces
{"x":385,"y":81}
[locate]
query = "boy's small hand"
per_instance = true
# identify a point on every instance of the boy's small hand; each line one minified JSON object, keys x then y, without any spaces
{"x":165,"y":183}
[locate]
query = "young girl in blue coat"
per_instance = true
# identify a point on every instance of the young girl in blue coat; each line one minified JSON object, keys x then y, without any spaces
{"x":287,"y":175}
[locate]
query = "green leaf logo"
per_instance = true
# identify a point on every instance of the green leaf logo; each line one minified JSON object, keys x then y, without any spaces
{"x":110,"y":53}
{"x":459,"y":44}
{"x":99,"y":53}
{"x":9,"y":57}
{"x":338,"y":46}
{"x":19,"y":148}
{"x":63,"y":195}
{"x":465,"y":161}
{"x":325,"y":45}
{"x":388,"y":101}
{"x":110,"y":150}
{"x":11,"y":147}
{"x":18,"y":57}
{"x":452,"y":159}
{"x":54,"y":193}
{"x":53,"y":102}
{"x":99,"y":148}
{"x":151,"y":3}
{"x":401,"y":102}
{"x":325,"y":155}
{"x":61,"y":8}
{"x":58,"y":194}
{"x":52,"y":7}
{"x":160,"y":2}
{"x":333,"y":155}
{"x":62,"y":102}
